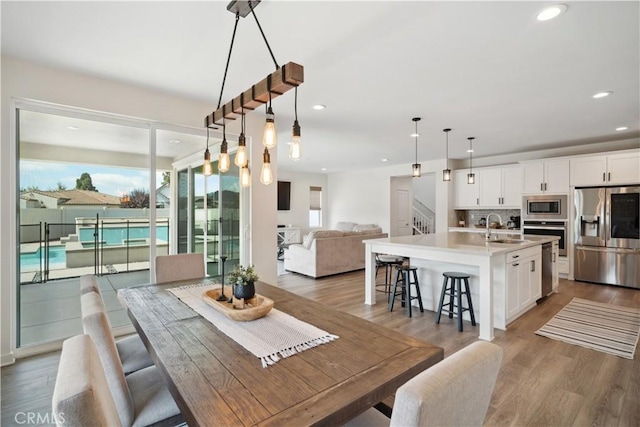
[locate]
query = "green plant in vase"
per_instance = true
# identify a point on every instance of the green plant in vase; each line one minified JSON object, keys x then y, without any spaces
{"x":243,"y":281}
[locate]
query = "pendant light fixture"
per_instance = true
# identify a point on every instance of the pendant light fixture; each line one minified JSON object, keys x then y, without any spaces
{"x":294,"y":148}
{"x":270,"y":136}
{"x":266,"y":175}
{"x":223,"y":160}
{"x":283,"y":79}
{"x":207,"y":168}
{"x":471,"y":177}
{"x":446,"y":173}
{"x":241,"y":153}
{"x":416,"y":166}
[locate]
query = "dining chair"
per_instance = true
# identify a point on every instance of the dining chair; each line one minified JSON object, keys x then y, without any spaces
{"x":453,"y":392}
{"x":82,"y":395}
{"x":89,"y":283}
{"x":140,"y":396}
{"x":170,"y":268}
{"x":131,"y":350}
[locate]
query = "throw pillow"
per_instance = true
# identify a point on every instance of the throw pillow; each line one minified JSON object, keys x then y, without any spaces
{"x":345,"y":226}
{"x":362,"y":227}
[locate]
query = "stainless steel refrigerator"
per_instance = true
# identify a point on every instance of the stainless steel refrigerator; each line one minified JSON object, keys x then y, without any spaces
{"x":607,"y":235}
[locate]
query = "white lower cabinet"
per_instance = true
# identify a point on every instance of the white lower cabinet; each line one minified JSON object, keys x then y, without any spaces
{"x":555,"y":258}
{"x":523,"y":281}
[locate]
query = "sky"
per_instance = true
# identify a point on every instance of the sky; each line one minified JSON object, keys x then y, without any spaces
{"x":108,"y":180}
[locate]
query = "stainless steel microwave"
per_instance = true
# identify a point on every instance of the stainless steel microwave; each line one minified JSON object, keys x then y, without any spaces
{"x":550,"y":207}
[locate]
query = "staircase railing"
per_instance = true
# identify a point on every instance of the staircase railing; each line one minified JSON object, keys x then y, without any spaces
{"x":422,"y":223}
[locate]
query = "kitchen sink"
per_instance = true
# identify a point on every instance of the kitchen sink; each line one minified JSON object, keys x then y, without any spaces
{"x":511,"y":241}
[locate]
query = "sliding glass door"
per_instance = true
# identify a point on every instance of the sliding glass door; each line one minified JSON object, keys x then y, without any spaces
{"x":209,"y":216}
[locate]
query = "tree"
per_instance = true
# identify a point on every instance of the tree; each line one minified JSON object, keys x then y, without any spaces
{"x":60,"y":187}
{"x":84,"y":183}
{"x":166,"y":177}
{"x":137,"y":198}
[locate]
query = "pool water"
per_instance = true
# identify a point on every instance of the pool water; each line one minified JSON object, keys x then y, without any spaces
{"x":118,"y":235}
{"x":30,"y":261}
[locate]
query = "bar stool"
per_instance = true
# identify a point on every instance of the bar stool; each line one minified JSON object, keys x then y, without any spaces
{"x":404,"y":274}
{"x":452,"y":286}
{"x":388,"y":262}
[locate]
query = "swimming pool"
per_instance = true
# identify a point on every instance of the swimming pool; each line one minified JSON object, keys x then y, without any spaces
{"x":119,"y":236}
{"x":30,"y":261}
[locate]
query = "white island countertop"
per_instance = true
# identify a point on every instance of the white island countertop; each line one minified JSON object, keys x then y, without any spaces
{"x":465,"y":243}
{"x":469,"y":249}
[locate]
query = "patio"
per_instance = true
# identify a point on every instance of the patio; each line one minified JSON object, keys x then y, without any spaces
{"x":51,"y":311}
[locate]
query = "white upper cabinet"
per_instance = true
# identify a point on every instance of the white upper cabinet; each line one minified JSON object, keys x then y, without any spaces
{"x":501,"y":187}
{"x":465,"y":195}
{"x":512,"y":186}
{"x":613,"y":169}
{"x":547,"y":176}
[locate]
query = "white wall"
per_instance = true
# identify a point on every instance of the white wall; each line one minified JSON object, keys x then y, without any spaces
{"x":298,"y":216}
{"x":26,"y":80}
{"x":363,"y":196}
{"x":424,"y":189}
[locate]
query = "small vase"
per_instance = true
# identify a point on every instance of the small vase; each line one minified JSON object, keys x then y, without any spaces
{"x":246,"y":291}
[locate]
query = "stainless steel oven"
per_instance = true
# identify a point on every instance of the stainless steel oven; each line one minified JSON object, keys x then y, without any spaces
{"x":548,"y":228}
{"x":545,"y":207}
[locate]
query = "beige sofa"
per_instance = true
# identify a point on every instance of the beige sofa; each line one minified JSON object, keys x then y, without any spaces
{"x":326,"y":252}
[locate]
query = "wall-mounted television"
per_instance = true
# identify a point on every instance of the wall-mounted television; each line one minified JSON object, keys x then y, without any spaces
{"x":284,"y":195}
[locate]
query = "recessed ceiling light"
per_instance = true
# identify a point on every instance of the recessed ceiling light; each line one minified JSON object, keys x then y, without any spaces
{"x":319,"y":107}
{"x":551,"y":12}
{"x":469,"y":151}
{"x":602,"y":94}
{"x":415,"y":135}
{"x":72,"y":127}
{"x":175,"y":141}
{"x":622,"y":128}
{"x":385,"y":160}
{"x":323,"y":169}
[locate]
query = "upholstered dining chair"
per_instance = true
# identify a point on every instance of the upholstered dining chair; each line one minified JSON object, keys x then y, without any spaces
{"x":89,"y":283}
{"x":131,"y":350}
{"x":141,"y":395}
{"x":82,"y":395}
{"x":453,"y":392}
{"x":170,"y":268}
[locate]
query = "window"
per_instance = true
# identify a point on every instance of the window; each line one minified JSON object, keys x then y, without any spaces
{"x":315,"y":206}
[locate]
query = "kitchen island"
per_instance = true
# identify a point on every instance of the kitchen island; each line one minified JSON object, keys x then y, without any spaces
{"x":485,"y":261}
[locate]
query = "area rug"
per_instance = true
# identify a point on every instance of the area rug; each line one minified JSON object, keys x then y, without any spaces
{"x":604,"y":327}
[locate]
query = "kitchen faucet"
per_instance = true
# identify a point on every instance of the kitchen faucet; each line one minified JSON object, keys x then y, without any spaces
{"x":488,"y":234}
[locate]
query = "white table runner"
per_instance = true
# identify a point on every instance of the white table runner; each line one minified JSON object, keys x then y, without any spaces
{"x":271,"y":337}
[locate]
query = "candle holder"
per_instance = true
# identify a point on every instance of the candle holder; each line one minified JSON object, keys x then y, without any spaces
{"x":222,"y":297}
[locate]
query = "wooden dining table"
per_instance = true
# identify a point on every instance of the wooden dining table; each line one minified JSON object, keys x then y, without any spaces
{"x":217,"y":382}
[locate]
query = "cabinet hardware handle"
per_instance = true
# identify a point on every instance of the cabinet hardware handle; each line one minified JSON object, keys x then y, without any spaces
{"x":533,"y":265}
{"x":609,"y":176}
{"x":545,"y":186}
{"x":553,"y":257}
{"x":478,"y":201}
{"x":541,"y":187}
{"x":516,"y":264}
{"x":603,"y":177}
{"x":515,"y":256}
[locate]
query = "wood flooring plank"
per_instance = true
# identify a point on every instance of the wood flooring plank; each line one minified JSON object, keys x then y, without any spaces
{"x":586,"y":388}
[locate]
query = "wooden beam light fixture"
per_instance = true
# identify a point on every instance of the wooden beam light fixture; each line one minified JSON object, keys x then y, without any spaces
{"x":283,"y":79}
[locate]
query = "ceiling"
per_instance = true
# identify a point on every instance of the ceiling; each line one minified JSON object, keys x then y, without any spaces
{"x":485,"y":69}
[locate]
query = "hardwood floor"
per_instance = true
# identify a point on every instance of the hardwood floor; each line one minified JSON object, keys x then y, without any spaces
{"x":542,"y":381}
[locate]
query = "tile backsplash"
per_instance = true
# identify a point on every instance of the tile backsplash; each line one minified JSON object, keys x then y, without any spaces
{"x":472,"y":217}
